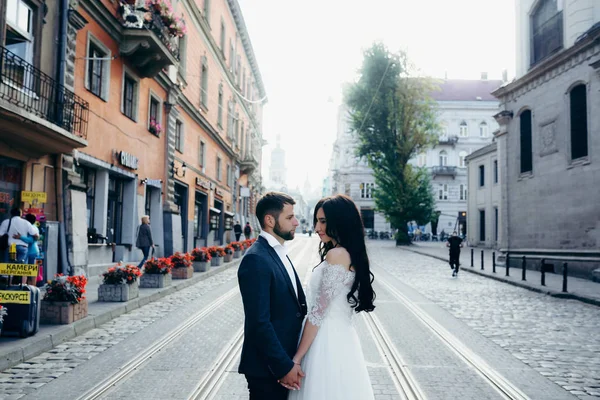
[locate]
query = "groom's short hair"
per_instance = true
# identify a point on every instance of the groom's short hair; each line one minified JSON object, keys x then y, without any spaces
{"x":272,"y":203}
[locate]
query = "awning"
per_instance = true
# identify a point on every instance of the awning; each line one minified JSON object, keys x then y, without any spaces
{"x":215,"y":210}
{"x":229,"y":214}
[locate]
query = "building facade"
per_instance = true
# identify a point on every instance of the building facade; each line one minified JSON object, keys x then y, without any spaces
{"x":161,"y":116}
{"x":548,"y":142}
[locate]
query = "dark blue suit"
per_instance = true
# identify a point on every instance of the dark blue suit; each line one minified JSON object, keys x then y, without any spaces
{"x":273,"y":317}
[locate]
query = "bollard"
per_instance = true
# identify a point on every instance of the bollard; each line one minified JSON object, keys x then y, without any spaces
{"x":482,"y":260}
{"x":543,"y":268}
{"x":524,"y":266}
{"x":494,"y":262}
{"x":472,"y":252}
{"x":564,"y":278}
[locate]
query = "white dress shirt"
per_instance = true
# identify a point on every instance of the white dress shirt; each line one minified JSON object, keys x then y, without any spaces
{"x":20,"y":226}
{"x":282,"y":253}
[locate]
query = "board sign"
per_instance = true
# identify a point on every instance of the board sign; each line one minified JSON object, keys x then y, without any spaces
{"x":14,"y":297}
{"x":128,"y":160}
{"x":29,"y":197}
{"x":18,"y":269}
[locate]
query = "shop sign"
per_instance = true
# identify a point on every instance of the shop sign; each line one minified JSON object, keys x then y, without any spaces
{"x":30,"y":197}
{"x":128,"y":160}
{"x":153,"y":182}
{"x":18,"y":269}
{"x":244,"y":191}
{"x":38,"y":212}
{"x":202,"y":183}
{"x":14,"y":297}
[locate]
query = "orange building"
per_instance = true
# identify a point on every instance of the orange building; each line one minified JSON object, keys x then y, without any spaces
{"x":174,"y":126}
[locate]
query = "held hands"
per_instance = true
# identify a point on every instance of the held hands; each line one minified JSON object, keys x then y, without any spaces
{"x":293,"y":379}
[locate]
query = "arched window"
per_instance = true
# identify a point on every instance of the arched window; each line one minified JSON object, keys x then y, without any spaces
{"x":483,"y":129}
{"x":462,"y":159}
{"x":579,"y":125}
{"x":525,"y":141}
{"x":422,"y":160}
{"x":546,"y":30}
{"x":443,"y":158}
{"x":464,"y":129}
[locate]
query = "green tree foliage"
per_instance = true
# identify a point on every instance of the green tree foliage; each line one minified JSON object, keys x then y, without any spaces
{"x":394,"y":120}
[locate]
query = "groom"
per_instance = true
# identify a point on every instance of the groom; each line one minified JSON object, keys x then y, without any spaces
{"x":274,"y":303}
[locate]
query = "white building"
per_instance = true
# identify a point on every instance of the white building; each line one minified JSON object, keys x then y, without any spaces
{"x":277,"y":169}
{"x":549,"y":137}
{"x":465,"y":113}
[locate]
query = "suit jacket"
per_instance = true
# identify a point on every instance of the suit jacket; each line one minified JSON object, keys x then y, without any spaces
{"x":273,"y":313}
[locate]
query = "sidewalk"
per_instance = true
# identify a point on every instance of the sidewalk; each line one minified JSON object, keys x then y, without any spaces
{"x":14,"y":350}
{"x":579,"y":289}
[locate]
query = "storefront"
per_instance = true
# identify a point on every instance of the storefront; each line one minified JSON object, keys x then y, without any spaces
{"x":152,"y":201}
{"x":201,"y":226}
{"x":10,"y":185}
{"x":180,"y":222}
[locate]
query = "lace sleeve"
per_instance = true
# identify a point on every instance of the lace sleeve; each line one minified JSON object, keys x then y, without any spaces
{"x":332,"y":281}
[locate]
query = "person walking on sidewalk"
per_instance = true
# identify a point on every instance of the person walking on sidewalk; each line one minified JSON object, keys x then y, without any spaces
{"x":454,"y":243}
{"x":248,"y":231}
{"x":237,"y":229}
{"x":144,"y":239}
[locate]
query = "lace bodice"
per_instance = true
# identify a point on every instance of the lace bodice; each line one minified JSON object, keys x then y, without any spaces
{"x":326,"y":293}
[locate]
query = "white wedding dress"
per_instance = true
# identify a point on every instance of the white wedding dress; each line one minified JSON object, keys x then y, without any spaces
{"x":334,"y":365}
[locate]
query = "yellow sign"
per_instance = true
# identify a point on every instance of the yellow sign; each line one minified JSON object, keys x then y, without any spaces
{"x":15,"y":297}
{"x":19,"y":269}
{"x":29,"y":197}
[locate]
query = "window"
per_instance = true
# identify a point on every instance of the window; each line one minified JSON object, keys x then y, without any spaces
{"x":462,"y":159}
{"x":129,"y":101}
{"x":228,"y":175}
{"x":482,"y":225}
{"x":179,"y":136}
{"x":222,"y":38}
{"x":443,"y":158}
{"x":207,"y":11}
{"x":219,"y":169}
{"x":154,"y":115}
{"x":204,"y":84}
{"x":464,"y":129}
{"x":443,"y":192}
{"x":182,"y":55}
{"x":240,"y":136}
{"x":97,"y":72}
{"x":462,"y":192}
{"x":202,"y":154}
{"x":19,"y":30}
{"x":444,"y":131}
{"x":230,"y":120}
{"x":366,"y":190}
{"x":147,"y":201}
{"x":220,"y":113}
{"x":347,"y":189}
{"x":481,"y":175}
{"x":579,"y":124}
{"x":422,"y":160}
{"x":546,"y":30}
{"x":483,"y":129}
{"x":231,"y":57}
{"x":88,"y":178}
{"x":114,"y":215}
{"x":526,"y":147}
{"x":495,"y":171}
{"x":496,"y":224}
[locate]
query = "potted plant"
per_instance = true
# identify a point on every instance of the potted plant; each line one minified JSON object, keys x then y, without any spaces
{"x":154,"y":127}
{"x":2,"y":315}
{"x":237,"y":249}
{"x":200,"y":259}
{"x":182,"y":266}
{"x":157,"y":273}
{"x":120,"y":283}
{"x":217,"y":254}
{"x":64,"y":301}
{"x":228,"y":253}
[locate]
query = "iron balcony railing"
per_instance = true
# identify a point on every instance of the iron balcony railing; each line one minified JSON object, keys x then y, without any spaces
{"x":547,"y":38}
{"x":33,"y":91}
{"x":448,"y":140}
{"x":443,"y":170}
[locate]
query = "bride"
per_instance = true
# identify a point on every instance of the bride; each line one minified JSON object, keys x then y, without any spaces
{"x":329,"y":352}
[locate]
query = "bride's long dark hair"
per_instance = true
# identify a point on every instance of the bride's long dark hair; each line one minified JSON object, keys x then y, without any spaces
{"x":345,"y":226}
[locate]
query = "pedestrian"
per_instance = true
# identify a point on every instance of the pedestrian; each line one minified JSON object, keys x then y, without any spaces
{"x":248,"y":231}
{"x":237,"y":229}
{"x":274,"y":303}
{"x":144,"y":239}
{"x":454,"y":243}
{"x":18,"y":226}
{"x":33,"y":250}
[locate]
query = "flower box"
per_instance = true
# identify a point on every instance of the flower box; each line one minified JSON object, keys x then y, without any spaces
{"x":237,"y":254}
{"x":200,"y":266}
{"x":118,"y":292}
{"x":155,"y":280}
{"x":62,"y":312}
{"x":216,"y":261}
{"x":183,"y":273}
{"x":228,"y":257}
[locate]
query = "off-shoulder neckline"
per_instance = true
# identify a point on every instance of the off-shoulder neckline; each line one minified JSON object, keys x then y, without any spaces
{"x":338,"y":265}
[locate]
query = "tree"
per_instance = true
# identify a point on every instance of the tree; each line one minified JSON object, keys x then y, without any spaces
{"x":394,"y":119}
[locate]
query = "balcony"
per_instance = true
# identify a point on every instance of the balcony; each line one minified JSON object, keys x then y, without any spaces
{"x":447,"y":140}
{"x":38,"y":115}
{"x":443,"y":171}
{"x":248,"y":164}
{"x":147,"y":42}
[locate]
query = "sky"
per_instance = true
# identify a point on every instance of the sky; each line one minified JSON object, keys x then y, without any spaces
{"x":307,"y":50}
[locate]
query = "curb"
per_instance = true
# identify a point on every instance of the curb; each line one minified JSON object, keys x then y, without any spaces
{"x":548,"y":292}
{"x":39,"y":344}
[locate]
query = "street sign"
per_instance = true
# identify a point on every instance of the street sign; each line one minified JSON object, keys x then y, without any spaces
{"x":29,"y":197}
{"x":18,"y":269}
{"x":14,"y":297}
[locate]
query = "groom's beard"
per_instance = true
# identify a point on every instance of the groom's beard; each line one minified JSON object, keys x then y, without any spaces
{"x":289,"y":235}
